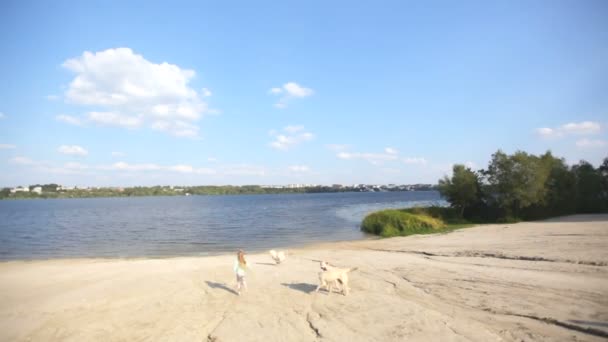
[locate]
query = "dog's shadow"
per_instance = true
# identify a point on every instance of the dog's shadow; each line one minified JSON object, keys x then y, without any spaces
{"x":302,"y":287}
{"x":215,"y":285}
{"x":265,"y":263}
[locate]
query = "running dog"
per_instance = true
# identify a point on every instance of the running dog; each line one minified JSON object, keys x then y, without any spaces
{"x":278,"y":257}
{"x":331,"y":275}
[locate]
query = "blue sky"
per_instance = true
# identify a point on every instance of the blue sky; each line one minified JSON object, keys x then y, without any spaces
{"x":320,"y":92}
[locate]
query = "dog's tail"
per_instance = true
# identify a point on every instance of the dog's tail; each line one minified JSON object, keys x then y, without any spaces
{"x":352,"y":269}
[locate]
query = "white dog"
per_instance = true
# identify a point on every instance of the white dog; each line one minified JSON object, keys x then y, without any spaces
{"x":278,"y":257}
{"x":332,"y":276}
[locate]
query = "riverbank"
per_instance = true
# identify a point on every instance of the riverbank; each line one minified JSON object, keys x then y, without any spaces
{"x":542,"y":281}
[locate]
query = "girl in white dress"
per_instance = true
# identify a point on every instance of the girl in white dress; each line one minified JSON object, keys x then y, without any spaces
{"x":240,"y":266}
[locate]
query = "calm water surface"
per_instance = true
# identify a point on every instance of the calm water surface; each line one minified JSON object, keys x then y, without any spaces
{"x":193,"y":225}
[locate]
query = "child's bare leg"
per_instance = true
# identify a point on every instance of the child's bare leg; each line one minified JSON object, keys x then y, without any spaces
{"x":238,"y":286}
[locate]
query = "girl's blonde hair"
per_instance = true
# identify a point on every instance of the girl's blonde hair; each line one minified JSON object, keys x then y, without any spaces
{"x":241,"y":255}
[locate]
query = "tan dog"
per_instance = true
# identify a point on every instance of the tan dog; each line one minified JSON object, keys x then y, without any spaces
{"x":278,"y":257}
{"x":331,"y":276}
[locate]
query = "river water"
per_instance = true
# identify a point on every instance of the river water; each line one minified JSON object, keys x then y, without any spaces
{"x":187,"y":225}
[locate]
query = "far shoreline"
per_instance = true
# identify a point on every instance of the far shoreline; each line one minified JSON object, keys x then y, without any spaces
{"x":258,"y":190}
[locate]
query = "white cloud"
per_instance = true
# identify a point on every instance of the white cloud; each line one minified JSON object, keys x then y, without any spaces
{"x":299,"y":168}
{"x":545,"y":131}
{"x":117,"y":154}
{"x":572,"y":128}
{"x":125,"y":169}
{"x":115,"y":119}
{"x":52,"y":97}
{"x":296,"y":90}
{"x":373,"y":158}
{"x":205,"y":171}
{"x":290,"y":137}
{"x":152,"y":167}
{"x":123,"y":166}
{"x":7,"y":146}
{"x":75,"y":166}
{"x":391,"y":150}
{"x":72,"y":120}
{"x":177,"y":128}
{"x":389,"y":154}
{"x":415,"y":161}
{"x":293,"y":129}
{"x":244,"y":170}
{"x":132,"y":92}
{"x":2,"y":116}
{"x":591,"y":143}
{"x":182,"y":168}
{"x":74,"y":150}
{"x":582,"y":128}
{"x":337,"y":147}
{"x":212,"y":159}
{"x":471,"y":165}
{"x":206,"y":92}
{"x":22,"y":161}
{"x":290,"y":90}
{"x":390,"y":170}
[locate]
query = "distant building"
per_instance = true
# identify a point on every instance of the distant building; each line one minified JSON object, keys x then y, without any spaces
{"x":20,"y":189}
{"x":37,"y":190}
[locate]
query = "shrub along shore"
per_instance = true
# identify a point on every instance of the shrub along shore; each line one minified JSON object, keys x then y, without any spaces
{"x":513,"y":188}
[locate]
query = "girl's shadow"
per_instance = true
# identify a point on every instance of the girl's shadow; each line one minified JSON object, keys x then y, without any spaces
{"x":302,"y":287}
{"x":215,"y":285}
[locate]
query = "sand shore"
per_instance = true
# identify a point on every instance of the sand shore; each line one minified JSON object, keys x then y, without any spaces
{"x":538,"y":281}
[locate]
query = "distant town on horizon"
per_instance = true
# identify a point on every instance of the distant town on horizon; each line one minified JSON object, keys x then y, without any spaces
{"x":61,"y":191}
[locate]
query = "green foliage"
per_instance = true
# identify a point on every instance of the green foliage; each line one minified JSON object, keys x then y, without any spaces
{"x":525,"y":186}
{"x":449,"y":215}
{"x":589,"y":186}
{"x":516,"y":181}
{"x":603,"y":171}
{"x":462,"y":190}
{"x":391,"y":222}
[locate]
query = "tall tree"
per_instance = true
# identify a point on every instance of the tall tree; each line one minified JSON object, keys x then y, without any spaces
{"x":516,"y":181}
{"x":462,"y":190}
{"x":560,"y":186}
{"x":588,"y":185}
{"x":603,"y":171}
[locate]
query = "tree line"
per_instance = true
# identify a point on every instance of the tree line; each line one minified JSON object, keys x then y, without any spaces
{"x":53,"y":191}
{"x":524,"y":186}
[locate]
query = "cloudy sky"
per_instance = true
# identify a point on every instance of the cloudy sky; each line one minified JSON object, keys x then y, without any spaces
{"x":265,"y":92}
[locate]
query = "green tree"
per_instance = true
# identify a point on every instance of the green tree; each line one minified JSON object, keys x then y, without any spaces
{"x":560,"y":186}
{"x":588,"y":186}
{"x":516,"y":181}
{"x":603,"y":171}
{"x":462,"y":190}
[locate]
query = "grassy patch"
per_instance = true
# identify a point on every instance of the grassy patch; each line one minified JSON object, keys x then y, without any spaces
{"x":410,"y":221}
{"x":392,"y":222}
{"x":448,"y":215}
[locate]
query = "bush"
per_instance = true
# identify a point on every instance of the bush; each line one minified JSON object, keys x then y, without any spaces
{"x":508,"y":219}
{"x":445,"y":214}
{"x":393,"y":222}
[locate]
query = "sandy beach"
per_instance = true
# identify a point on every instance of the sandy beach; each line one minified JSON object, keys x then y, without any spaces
{"x":535,"y":281}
